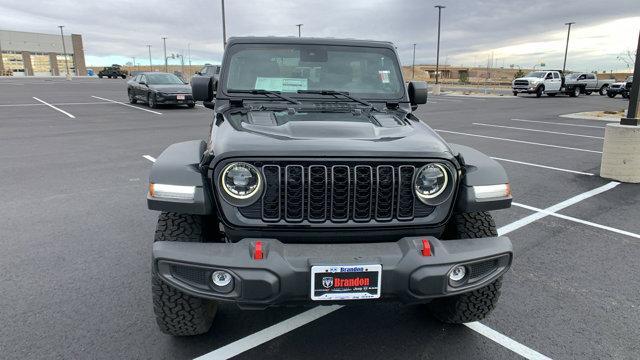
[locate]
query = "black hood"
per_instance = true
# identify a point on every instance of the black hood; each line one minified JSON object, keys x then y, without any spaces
{"x":383,"y":135}
{"x":174,"y":88}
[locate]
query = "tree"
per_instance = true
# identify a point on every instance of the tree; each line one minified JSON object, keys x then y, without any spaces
{"x":628,"y":58}
{"x":518,"y":74}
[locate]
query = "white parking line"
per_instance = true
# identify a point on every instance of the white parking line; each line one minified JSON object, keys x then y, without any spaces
{"x":543,"y":166}
{"x":571,"y":218}
{"x":537,"y":130}
{"x":69,"y":103}
{"x":519,"y":141}
{"x":129,"y":105}
{"x":149,"y":157}
{"x":505,"y":341}
{"x":552,"y":209}
{"x":558,"y":123}
{"x":268,"y":334}
{"x":55,"y":108}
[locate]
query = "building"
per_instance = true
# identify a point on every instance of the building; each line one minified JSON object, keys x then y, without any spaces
{"x":33,"y":54}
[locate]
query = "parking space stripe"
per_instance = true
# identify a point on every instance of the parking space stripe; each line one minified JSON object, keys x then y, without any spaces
{"x":557,"y":207}
{"x":506,"y":341}
{"x":149,"y":157}
{"x":55,"y":108}
{"x":270,"y":333}
{"x":129,"y":105}
{"x":519,"y":141}
{"x":571,"y":218}
{"x":542,"y":166}
{"x":68,"y":103}
{"x":558,"y":123}
{"x":538,"y":130}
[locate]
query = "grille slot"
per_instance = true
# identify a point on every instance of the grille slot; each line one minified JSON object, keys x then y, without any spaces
{"x":385,"y":183}
{"x":294,"y":192}
{"x":405,"y":192}
{"x":317,"y":186}
{"x":340,"y":191}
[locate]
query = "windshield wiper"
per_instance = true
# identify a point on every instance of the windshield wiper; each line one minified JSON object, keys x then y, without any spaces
{"x":264,"y":92}
{"x":336,"y":93}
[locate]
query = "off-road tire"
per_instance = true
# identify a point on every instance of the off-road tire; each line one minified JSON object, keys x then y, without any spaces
{"x":177,"y":313}
{"x":539,"y":91}
{"x":132,"y":98}
{"x":477,"y":304}
{"x":603,"y":90}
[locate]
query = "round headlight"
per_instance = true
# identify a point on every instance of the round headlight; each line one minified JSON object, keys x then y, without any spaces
{"x":241,"y":180}
{"x":431,"y":181}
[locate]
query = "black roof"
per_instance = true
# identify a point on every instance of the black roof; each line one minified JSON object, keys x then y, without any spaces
{"x":308,"y":40}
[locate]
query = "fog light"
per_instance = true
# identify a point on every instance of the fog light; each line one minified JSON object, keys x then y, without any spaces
{"x":458,"y":273}
{"x":222,"y":281}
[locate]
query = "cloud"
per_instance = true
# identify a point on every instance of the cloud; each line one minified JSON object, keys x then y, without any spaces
{"x":519,"y":30}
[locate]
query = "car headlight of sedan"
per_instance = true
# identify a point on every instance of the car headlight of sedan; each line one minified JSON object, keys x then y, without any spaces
{"x":433,"y":184}
{"x":241,"y":183}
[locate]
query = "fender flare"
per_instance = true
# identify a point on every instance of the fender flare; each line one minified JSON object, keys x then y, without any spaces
{"x":479,"y":170}
{"x":179,"y":164}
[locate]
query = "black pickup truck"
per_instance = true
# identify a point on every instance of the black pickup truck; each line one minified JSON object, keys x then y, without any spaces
{"x":317,"y":184}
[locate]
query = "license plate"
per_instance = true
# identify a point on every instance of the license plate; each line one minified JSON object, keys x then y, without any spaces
{"x":345,"y":282}
{"x":180,"y":97}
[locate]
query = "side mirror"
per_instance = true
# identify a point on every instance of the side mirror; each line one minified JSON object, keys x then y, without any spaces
{"x":417,"y":93}
{"x":202,"y":88}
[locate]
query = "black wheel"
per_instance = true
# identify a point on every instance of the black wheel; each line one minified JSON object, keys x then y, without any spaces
{"x":100,"y":76}
{"x":191,"y":106}
{"x":515,"y":93}
{"x":152,"y":101}
{"x":624,"y":95}
{"x":123,"y":76}
{"x":132,"y":98}
{"x":539,"y":91}
{"x":551,"y":94}
{"x":611,"y":95}
{"x":603,"y":90}
{"x":177,"y":313}
{"x":575,"y":92}
{"x":587,"y":92}
{"x":477,"y":304}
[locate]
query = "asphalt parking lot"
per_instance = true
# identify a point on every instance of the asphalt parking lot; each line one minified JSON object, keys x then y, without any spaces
{"x":76,"y":238}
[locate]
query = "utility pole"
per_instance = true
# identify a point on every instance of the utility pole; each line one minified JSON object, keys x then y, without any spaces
{"x":134,"y":61}
{"x":564,"y":64}
{"x":440,"y":7}
{"x":150,"y":62}
{"x":189,"y":54}
{"x":299,"y":26}
{"x":164,"y":45}
{"x":64,"y":50}
{"x":224,"y":29}
{"x":413,"y":66}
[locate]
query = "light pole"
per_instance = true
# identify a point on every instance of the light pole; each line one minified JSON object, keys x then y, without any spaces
{"x":440,"y":7}
{"x":164,"y":46}
{"x":64,"y":50}
{"x":299,"y":26}
{"x":413,"y":65}
{"x":189,"y":54}
{"x":224,"y":29}
{"x":634,"y":97}
{"x":567,"y":46}
{"x":150,"y":62}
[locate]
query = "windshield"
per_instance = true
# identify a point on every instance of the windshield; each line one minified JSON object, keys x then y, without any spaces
{"x":360,"y":71}
{"x":536,"y":74}
{"x":163,"y":79}
{"x":573,"y":76}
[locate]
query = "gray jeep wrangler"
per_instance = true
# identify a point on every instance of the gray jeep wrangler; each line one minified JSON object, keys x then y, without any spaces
{"x":317,"y":184}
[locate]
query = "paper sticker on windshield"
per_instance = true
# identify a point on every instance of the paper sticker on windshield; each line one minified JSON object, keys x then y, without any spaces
{"x":384,"y":76}
{"x":281,"y":84}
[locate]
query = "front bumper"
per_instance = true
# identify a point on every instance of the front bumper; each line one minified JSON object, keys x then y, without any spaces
{"x":173,"y":99}
{"x":529,"y":89}
{"x":284,"y":274}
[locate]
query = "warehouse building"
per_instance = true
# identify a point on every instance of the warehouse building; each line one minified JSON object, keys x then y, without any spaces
{"x":33,"y":54}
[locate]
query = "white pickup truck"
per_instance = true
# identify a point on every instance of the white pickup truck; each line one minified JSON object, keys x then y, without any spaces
{"x":588,"y":83}
{"x":550,"y":82}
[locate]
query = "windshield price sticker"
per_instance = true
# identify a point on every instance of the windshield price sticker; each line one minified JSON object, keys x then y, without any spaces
{"x":384,"y":76}
{"x":281,"y":84}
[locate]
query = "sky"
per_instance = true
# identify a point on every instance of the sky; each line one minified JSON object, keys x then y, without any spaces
{"x":518,"y":32}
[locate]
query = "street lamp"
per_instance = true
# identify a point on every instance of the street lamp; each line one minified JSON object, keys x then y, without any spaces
{"x":299,"y":26}
{"x":224,"y":29}
{"x":440,"y":7}
{"x":64,"y":50}
{"x":150,"y":63}
{"x":413,"y":65}
{"x":567,"y":46}
{"x":164,"y":46}
{"x":634,"y":97}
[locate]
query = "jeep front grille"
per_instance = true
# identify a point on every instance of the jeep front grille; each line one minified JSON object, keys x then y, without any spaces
{"x":338,"y":193}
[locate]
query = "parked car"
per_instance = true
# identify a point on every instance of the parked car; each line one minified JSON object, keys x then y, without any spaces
{"x":622,"y":88}
{"x":158,"y":88}
{"x":550,"y":82}
{"x":588,"y":83}
{"x":322,"y":187}
{"x":114,"y":71}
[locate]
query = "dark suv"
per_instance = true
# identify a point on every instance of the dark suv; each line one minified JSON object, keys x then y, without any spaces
{"x":317,"y":184}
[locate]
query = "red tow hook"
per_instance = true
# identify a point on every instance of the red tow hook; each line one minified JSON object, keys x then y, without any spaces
{"x":257,"y":251}
{"x":426,"y":248}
